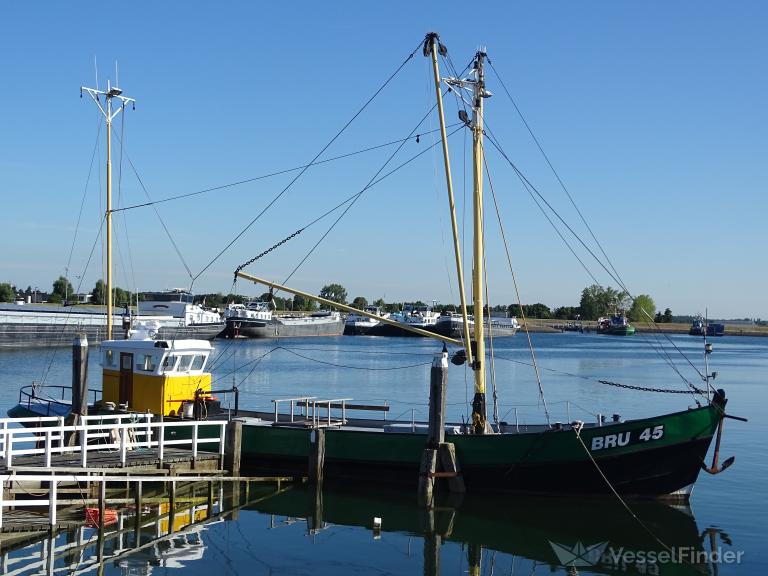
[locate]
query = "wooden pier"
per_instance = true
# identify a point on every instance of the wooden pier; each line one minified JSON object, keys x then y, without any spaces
{"x":50,"y":472}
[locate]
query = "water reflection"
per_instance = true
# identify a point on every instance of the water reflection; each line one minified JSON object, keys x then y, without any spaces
{"x":585,"y":536}
{"x":487,"y":535}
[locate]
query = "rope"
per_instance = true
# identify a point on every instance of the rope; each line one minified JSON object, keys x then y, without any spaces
{"x":517,"y":292}
{"x":270,"y":174}
{"x":303,"y":170}
{"x":577,"y":430}
{"x":552,"y":168}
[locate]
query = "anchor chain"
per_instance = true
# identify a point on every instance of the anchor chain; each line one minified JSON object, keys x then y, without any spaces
{"x":267,"y":251}
{"x":645,"y":389}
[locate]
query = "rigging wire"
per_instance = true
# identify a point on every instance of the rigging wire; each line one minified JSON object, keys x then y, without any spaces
{"x":583,"y":244}
{"x":557,"y":176}
{"x":271,"y":174}
{"x":303,"y":170}
{"x":157,"y":213}
{"x":517,"y":290}
{"x":85,"y":194}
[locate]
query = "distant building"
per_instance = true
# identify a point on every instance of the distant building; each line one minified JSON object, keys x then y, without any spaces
{"x":83,"y":298}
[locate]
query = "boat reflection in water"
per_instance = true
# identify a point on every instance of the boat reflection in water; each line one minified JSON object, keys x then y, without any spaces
{"x":556,"y":535}
{"x":486,"y":534}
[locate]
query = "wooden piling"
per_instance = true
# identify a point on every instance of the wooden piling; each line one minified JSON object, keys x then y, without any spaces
{"x":432,"y":544}
{"x":137,"y":517}
{"x":316,"y":455}
{"x":233,"y":446}
{"x":427,"y":476}
{"x":171,"y":506}
{"x":438,"y":379}
{"x":450,"y":466}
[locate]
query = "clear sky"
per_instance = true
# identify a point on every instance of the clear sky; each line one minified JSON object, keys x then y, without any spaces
{"x":653,"y":113}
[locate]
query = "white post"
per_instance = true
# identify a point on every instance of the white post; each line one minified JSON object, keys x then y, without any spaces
{"x":52,"y":504}
{"x":48,"y":438}
{"x":5,"y":431}
{"x":84,"y":446}
{"x":122,"y":431}
{"x":2,"y":507}
{"x":149,"y":433}
{"x":194,"y":442}
{"x":161,"y":442}
{"x":222,"y":437}
{"x":8,"y":448}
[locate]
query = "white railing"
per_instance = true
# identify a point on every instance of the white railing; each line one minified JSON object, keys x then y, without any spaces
{"x":105,"y":434}
{"x":53,"y":501}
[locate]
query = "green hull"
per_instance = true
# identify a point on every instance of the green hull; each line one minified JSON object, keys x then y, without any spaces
{"x":651,"y":457}
{"x":620,"y":331}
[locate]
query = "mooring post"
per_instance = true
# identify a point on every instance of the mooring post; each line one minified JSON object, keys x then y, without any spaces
{"x":315,"y":519}
{"x":232,"y":448}
{"x":316,"y":455}
{"x":79,"y":386}
{"x":438,"y":379}
{"x":137,"y":516}
{"x":432,"y":543}
{"x":171,"y":506}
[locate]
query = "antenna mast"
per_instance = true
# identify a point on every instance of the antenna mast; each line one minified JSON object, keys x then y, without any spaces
{"x":109,"y":115}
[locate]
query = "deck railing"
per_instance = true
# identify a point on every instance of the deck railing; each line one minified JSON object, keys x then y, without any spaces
{"x":109,"y":432}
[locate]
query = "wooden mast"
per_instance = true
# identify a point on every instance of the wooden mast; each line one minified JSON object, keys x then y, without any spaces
{"x":479,"y":409}
{"x":432,"y":46}
{"x":109,"y":115}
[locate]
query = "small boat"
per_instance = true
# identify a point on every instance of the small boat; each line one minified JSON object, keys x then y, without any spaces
{"x":256,"y":319}
{"x":419,"y":316}
{"x":179,"y":316}
{"x":357,"y":324}
{"x":700,"y":327}
{"x":616,"y":325}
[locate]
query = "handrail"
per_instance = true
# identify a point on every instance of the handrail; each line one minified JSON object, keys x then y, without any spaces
{"x":120,"y":436}
{"x":52,"y":480}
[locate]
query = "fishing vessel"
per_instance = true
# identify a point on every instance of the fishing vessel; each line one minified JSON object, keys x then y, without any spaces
{"x":420,"y":316}
{"x":659,"y":455}
{"x":355,"y":324}
{"x":615,"y":325}
{"x":257,"y":319}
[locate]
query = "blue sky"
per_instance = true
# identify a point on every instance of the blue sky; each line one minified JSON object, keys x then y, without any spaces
{"x":653,"y":114}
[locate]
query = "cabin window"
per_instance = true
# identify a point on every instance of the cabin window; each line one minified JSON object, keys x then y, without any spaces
{"x":170,"y":363}
{"x":109,"y":358}
{"x":147,"y":363}
{"x":197,"y":362}
{"x":184,"y":363}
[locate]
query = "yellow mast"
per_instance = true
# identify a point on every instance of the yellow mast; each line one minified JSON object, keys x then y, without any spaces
{"x":432,"y":45}
{"x":109,"y":115}
{"x":479,"y":410}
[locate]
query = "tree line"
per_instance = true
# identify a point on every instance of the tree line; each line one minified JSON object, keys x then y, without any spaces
{"x":595,"y":302}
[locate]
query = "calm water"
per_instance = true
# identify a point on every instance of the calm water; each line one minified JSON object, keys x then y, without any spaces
{"x":297,"y":532}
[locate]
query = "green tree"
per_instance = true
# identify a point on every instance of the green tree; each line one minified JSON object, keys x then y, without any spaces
{"x":643,"y":308}
{"x":380,"y":303}
{"x":359,"y":302}
{"x":62,"y":288}
{"x":667,"y":315}
{"x":537,"y":310}
{"x":7,"y":293}
{"x":335,"y":293}
{"x":597,"y":301}
{"x":301,"y":303}
{"x":566,"y":312}
{"x":98,"y":293}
